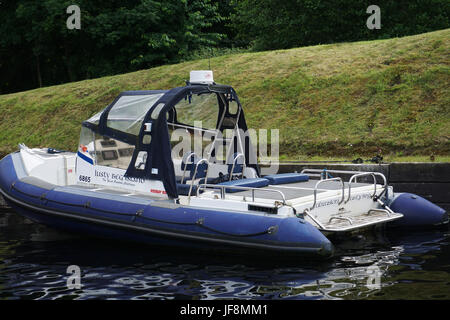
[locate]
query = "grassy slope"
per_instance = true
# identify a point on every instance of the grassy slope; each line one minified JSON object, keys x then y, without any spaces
{"x":339,"y":100}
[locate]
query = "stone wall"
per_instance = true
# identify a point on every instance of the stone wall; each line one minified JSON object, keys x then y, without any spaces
{"x":429,"y":180}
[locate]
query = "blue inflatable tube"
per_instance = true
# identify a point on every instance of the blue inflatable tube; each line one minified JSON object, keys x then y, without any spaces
{"x":417,"y":211}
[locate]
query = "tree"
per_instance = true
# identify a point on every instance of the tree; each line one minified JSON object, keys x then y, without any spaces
{"x":115,"y":37}
{"x":272,"y":24}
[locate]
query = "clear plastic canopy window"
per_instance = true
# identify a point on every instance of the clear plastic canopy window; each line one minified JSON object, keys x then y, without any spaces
{"x":128,"y":112}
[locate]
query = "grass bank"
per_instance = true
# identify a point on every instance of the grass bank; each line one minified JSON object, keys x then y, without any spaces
{"x":343,"y":100}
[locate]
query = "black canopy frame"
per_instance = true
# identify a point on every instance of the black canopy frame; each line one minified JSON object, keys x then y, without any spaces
{"x":159,"y":164}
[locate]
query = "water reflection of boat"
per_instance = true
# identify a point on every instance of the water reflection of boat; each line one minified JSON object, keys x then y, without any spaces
{"x":129,"y":181}
{"x":405,"y":261}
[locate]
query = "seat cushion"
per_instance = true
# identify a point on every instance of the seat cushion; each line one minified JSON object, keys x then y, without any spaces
{"x":183,"y":189}
{"x":283,"y":178}
{"x":200,"y":181}
{"x":252,"y":183}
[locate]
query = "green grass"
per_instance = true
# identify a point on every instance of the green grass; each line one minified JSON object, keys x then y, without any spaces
{"x":340,"y":101}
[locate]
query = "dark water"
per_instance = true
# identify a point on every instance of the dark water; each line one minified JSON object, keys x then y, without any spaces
{"x":34,"y":261}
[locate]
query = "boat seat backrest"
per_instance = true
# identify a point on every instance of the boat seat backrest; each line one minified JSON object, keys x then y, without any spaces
{"x":237,"y":166}
{"x":193,"y":167}
{"x":188,"y":165}
{"x":200,"y":169}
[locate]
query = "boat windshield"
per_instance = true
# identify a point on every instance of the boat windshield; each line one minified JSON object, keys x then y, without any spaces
{"x":198,"y":110}
{"x":128,"y":112}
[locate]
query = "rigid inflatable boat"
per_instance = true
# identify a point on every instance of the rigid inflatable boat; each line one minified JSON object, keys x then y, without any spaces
{"x":132,"y":179}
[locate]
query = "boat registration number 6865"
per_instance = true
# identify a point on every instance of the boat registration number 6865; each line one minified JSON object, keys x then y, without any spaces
{"x":84,"y":178}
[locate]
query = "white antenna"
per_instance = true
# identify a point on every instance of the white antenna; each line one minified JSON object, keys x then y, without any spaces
{"x":209,"y":58}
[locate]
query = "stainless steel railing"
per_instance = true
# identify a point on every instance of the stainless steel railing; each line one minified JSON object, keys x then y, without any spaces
{"x":314,"y":172}
{"x":319,"y":172}
{"x":323,"y":181}
{"x":223,"y":189}
{"x":195,"y":175}
{"x":365,"y":174}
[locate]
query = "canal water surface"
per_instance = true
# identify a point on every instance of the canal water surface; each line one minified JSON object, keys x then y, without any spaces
{"x":381,"y":265}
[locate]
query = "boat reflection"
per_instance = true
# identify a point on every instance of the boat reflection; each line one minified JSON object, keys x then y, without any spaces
{"x":377,"y":265}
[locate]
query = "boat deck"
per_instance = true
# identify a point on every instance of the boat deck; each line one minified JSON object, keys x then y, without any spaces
{"x":290,"y":190}
{"x":295,"y":190}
